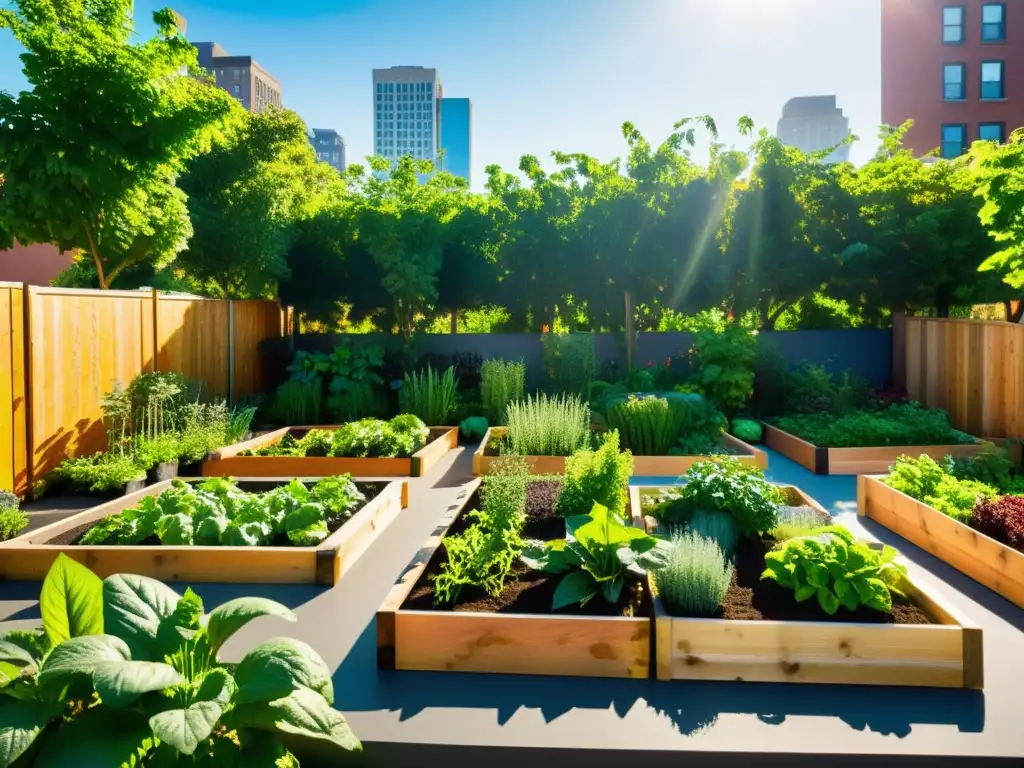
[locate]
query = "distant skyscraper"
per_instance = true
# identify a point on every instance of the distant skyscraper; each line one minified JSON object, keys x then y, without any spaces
{"x":814,"y":123}
{"x":457,"y":136}
{"x":241,"y":76}
{"x":406,"y":115}
{"x":329,"y":146}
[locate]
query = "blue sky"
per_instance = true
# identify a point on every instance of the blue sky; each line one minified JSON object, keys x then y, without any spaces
{"x":552,"y":74}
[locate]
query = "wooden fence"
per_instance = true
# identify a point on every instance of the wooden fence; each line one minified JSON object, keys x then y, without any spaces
{"x":62,"y":349}
{"x":973,"y":369}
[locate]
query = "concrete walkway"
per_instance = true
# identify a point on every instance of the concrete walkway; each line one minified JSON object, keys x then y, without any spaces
{"x":416,"y":719}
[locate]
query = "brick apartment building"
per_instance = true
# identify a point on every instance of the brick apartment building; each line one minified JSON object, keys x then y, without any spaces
{"x":956,"y":67}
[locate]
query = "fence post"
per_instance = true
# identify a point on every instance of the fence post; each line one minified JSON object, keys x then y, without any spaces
{"x":30,"y":451}
{"x":156,"y":331}
{"x":231,"y":352}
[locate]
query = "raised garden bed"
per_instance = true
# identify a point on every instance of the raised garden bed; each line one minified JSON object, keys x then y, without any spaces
{"x":987,"y":561}
{"x":766,"y":636}
{"x":515,"y":633}
{"x":227,"y":462}
{"x":643,"y":466}
{"x":30,"y":556}
{"x":856,"y":461}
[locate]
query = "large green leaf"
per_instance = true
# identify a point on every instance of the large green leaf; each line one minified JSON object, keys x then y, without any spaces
{"x":76,"y":658}
{"x":133,"y":607}
{"x":574,"y":589}
{"x":185,"y":728}
{"x":227,"y":619}
{"x":303,"y":713}
{"x":71,"y":601}
{"x":15,"y":654}
{"x":275,"y":668}
{"x":35,"y":641}
{"x":99,"y":738}
{"x":119,"y":683}
{"x":20,"y":723}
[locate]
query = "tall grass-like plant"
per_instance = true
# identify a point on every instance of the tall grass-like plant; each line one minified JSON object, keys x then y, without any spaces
{"x":798,"y":521}
{"x":696,"y":578}
{"x":648,"y":426}
{"x":298,"y":402}
{"x":716,"y":525}
{"x":501,"y":382}
{"x":430,"y":395}
{"x":547,"y":426}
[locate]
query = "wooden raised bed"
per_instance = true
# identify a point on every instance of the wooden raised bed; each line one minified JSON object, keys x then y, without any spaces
{"x":987,"y":561}
{"x":856,"y":461}
{"x":227,"y":463}
{"x":29,"y":556}
{"x":947,"y":654}
{"x":643,"y":466}
{"x":446,"y":641}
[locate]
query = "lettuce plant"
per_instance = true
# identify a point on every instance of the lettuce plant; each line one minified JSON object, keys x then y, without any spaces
{"x":839,"y":571}
{"x":727,"y":485}
{"x":925,"y":480}
{"x":127,"y":672}
{"x":595,"y":555}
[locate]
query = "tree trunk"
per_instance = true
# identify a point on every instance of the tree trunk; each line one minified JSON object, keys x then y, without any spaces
{"x":1016,"y":314}
{"x":942,"y":310}
{"x":96,"y":259}
{"x":454,"y":320}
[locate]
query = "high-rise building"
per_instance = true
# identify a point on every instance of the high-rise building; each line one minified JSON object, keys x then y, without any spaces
{"x":329,"y":146}
{"x":241,"y":76}
{"x":405,"y":118}
{"x":956,"y":67}
{"x":814,"y":123}
{"x":456,"y":136}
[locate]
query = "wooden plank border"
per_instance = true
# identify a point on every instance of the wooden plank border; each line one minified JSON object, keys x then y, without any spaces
{"x":856,"y":461}
{"x":948,"y":654}
{"x":227,"y":463}
{"x":29,"y":557}
{"x":982,"y":558}
{"x":643,"y":466}
{"x":443,"y":641}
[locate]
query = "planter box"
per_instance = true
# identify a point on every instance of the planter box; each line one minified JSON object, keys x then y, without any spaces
{"x":29,"y":556}
{"x":227,"y":463}
{"x":947,"y":654}
{"x":856,"y":461}
{"x":446,"y":641}
{"x":643,"y":466}
{"x":987,"y":561}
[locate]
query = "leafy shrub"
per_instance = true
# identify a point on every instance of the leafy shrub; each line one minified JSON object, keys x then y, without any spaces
{"x":372,"y":438}
{"x":798,"y":521}
{"x":723,"y":365}
{"x":649,"y":426}
{"x":837,"y":570}
{"x":12,"y":519}
{"x":215,"y":512}
{"x":473,"y":428}
{"x":747,"y":430}
{"x":298,"y":402}
{"x":898,"y":424}
{"x":813,"y":389}
{"x":99,"y":473}
{"x":547,"y":426}
{"x":926,"y":481}
{"x":600,"y":476}
{"x":430,"y":395}
{"x":1002,"y":519}
{"x":597,"y":551}
{"x":725,"y":484}
{"x":126,"y":671}
{"x":570,"y":361}
{"x":156,"y":399}
{"x":718,"y":526}
{"x":993,"y":466}
{"x":151,"y":452}
{"x":361,"y":399}
{"x":206,"y":428}
{"x":501,"y":383}
{"x":8,"y":500}
{"x":695,"y":577}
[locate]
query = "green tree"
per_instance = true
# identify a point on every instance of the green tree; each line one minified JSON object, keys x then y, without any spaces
{"x":89,"y":155}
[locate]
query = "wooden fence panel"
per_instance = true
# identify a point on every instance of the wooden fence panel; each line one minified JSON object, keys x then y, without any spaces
{"x":973,"y":369}
{"x":79,"y":343}
{"x":253,"y":321}
{"x":192,"y":339}
{"x":14,"y":473}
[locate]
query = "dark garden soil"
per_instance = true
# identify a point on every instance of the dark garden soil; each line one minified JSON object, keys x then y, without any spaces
{"x":525,"y":591}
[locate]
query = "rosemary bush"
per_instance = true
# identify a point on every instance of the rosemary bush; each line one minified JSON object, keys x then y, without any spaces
{"x":696,"y":577}
{"x":501,"y":383}
{"x":547,"y":426}
{"x":430,"y":395}
{"x":649,"y":426}
{"x":717,"y":525}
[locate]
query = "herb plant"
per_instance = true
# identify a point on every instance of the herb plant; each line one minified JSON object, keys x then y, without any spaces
{"x":298,"y":402}
{"x":547,"y":426}
{"x":747,"y":430}
{"x":127,"y":672}
{"x":726,"y":484}
{"x":570,"y":361}
{"x":501,"y":382}
{"x":597,"y":552}
{"x":837,"y":570}
{"x":898,"y":424}
{"x":648,"y":426}
{"x":695,"y":577}
{"x":600,"y":476}
{"x":99,"y":473}
{"x":723,"y":364}
{"x":430,"y":395}
{"x":716,"y":525}
{"x":798,"y":521}
{"x":925,"y":480}
{"x":992,"y":466}
{"x":12,"y":519}
{"x":401,"y":437}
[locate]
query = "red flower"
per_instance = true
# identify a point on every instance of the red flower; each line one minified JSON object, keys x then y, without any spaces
{"x":668,"y":362}
{"x":649,"y":364}
{"x":544,"y":328}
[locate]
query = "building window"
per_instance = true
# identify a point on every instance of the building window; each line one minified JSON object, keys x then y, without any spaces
{"x":953,"y":24}
{"x":237,"y":88}
{"x":236,"y":73}
{"x":992,"y":132}
{"x":954,"y":140}
{"x":993,"y":22}
{"x":992,"y":85}
{"x":954,"y":77}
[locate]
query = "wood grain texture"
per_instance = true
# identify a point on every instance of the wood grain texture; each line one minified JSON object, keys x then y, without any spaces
{"x":791,"y":446}
{"x":987,"y":561}
{"x":254,"y":321}
{"x":973,"y":369}
{"x":14,"y":470}
{"x":193,"y":340}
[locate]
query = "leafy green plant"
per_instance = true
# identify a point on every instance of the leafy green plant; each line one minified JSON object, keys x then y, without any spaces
{"x":371,"y":438}
{"x":649,"y":425}
{"x":117,"y":417}
{"x":546,"y":426}
{"x":726,"y":484}
{"x":811,"y":388}
{"x":125,"y":671}
{"x":899,"y":424}
{"x":837,"y":570}
{"x":501,"y":382}
{"x":695,"y":577}
{"x":240,"y":425}
{"x":298,"y":402}
{"x":570,"y":361}
{"x":473,"y":427}
{"x":99,"y":473}
{"x":12,"y":519}
{"x":747,"y":430}
{"x":206,"y":428}
{"x":154,"y":403}
{"x":798,"y":521}
{"x":723,"y":365}
{"x":596,"y":554}
{"x":1002,"y":519}
{"x":600,"y":476}
{"x":718,"y":526}
{"x":430,"y":395}
{"x":925,"y":480}
{"x":993,"y":467}
{"x":162,"y":449}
